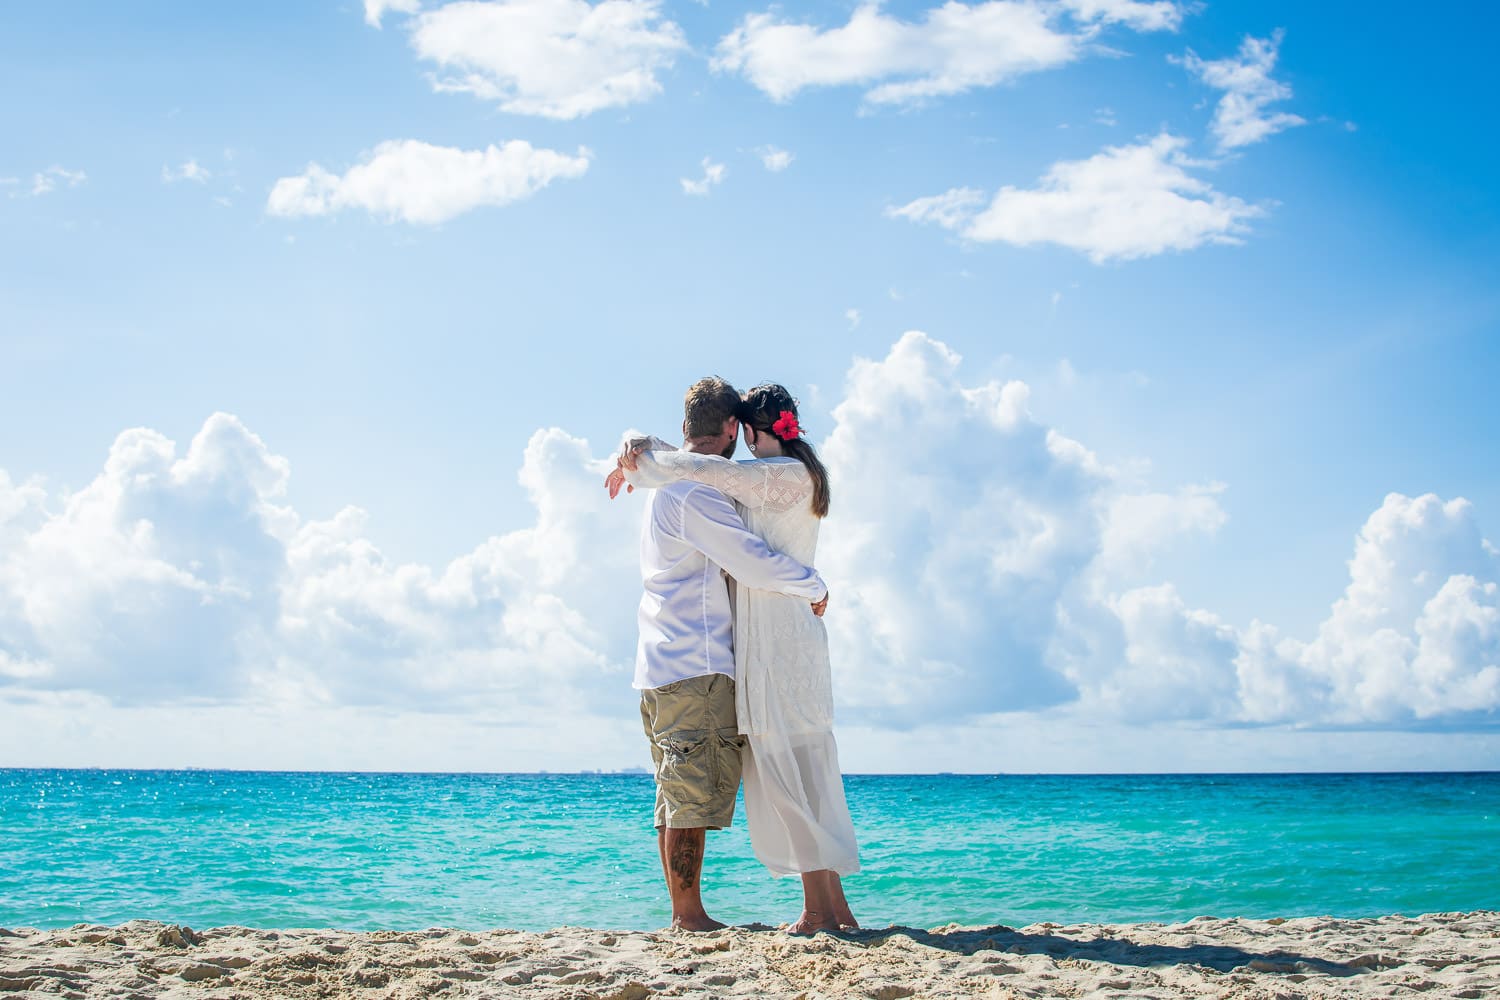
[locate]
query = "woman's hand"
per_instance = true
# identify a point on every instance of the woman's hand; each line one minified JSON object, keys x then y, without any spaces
{"x":615,"y":480}
{"x":626,"y":460}
{"x":821,"y":606}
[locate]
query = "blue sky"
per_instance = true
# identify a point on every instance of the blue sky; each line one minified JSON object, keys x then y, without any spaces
{"x":1239,"y":256}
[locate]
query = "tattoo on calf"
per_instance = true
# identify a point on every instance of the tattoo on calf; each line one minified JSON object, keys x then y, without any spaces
{"x":687,"y":861}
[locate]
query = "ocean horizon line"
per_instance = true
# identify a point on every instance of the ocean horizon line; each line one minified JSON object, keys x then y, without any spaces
{"x":637,"y":772}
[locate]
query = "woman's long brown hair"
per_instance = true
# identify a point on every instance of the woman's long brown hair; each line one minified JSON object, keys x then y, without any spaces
{"x":762,"y":407}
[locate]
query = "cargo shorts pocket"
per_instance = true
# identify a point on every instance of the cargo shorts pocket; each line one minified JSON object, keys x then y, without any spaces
{"x":730,"y":754}
{"x":686,"y":771}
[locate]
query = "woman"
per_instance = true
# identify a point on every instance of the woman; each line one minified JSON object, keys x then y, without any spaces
{"x":794,"y":792}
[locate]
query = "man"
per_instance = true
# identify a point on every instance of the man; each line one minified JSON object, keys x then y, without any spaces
{"x":685,"y":657}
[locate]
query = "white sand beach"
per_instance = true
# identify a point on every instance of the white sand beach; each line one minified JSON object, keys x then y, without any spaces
{"x":1434,"y":955}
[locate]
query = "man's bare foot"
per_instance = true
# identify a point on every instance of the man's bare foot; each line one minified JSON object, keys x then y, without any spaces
{"x":811,"y":922}
{"x":701,"y":922}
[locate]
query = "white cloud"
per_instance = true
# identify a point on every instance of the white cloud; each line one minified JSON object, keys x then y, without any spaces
{"x":775,"y":160}
{"x":1416,"y":634}
{"x":553,"y":58}
{"x":47,"y":181}
{"x":375,"y":9}
{"x":952,"y":209}
{"x":141,"y":578}
{"x":182,"y":577}
{"x":713,"y":174}
{"x":1138,"y":525}
{"x":1123,"y":203}
{"x":189,"y":171}
{"x":998,"y":567}
{"x":954,"y":48}
{"x":1141,"y":16}
{"x":417,"y":182}
{"x":1177,"y":663}
{"x":852,"y":317}
{"x":965,"y":552}
{"x":21,"y":504}
{"x":1241,"y":117}
{"x":1035,"y":566}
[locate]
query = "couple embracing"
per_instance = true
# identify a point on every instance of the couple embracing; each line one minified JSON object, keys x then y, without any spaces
{"x":732,"y":663}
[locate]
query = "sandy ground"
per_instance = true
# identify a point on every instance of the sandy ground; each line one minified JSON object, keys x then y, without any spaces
{"x":1435,"y":955}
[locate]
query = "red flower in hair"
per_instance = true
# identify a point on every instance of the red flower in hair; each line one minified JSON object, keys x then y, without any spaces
{"x":786,"y":428}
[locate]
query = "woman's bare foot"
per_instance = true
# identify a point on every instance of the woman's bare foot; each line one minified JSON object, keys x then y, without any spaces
{"x":841,"y":911}
{"x":811,"y":922}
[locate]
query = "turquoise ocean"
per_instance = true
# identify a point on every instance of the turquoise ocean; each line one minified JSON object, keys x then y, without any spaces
{"x":533,"y":851}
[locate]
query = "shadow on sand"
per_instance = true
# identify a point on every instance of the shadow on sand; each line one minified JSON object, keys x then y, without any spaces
{"x":1114,"y":950}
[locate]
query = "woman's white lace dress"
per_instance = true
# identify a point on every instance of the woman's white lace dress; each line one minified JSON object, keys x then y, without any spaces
{"x":794,"y":791}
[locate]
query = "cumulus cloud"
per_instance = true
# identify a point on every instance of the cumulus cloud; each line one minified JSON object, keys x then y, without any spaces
{"x":967,"y":551}
{"x":1241,"y":117}
{"x":20,"y":504}
{"x":713,"y":174}
{"x":1123,"y":203}
{"x":984,"y":512}
{"x":547,"y":608}
{"x":1000,"y":566}
{"x":375,"y":9}
{"x":417,"y":182}
{"x":183,"y":577}
{"x":954,"y":48}
{"x":1003,"y":566}
{"x":553,"y":58}
{"x":144,"y":575}
{"x":1416,"y":634}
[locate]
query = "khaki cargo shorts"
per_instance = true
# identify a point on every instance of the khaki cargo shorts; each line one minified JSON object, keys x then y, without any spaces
{"x":696,"y":747}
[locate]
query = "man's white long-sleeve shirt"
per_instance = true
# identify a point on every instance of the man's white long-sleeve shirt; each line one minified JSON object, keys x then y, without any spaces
{"x":691,"y":531}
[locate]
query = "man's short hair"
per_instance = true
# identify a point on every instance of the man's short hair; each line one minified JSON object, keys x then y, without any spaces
{"x":709,"y":402}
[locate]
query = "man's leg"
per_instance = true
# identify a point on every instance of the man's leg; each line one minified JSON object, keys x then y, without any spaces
{"x":697,"y":756}
{"x":682,"y":854}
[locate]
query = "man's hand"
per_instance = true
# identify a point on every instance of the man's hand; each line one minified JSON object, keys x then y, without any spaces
{"x":821,"y":606}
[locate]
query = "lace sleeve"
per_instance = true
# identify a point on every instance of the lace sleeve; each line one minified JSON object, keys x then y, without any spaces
{"x":774,"y":485}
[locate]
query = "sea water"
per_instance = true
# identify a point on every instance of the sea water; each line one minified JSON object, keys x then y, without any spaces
{"x":532,"y":851}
